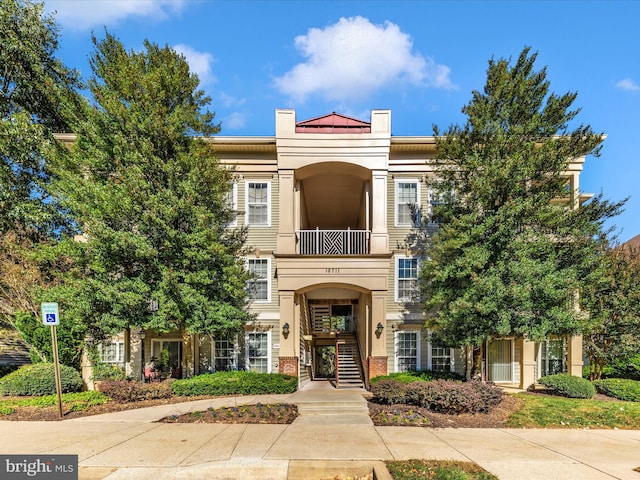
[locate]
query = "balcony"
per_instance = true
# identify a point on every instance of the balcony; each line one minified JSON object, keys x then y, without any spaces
{"x":333,"y":242}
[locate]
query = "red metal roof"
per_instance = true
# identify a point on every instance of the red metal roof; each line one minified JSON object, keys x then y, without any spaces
{"x":333,"y":123}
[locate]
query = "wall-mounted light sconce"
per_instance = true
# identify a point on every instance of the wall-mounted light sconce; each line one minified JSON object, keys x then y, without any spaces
{"x":153,"y":306}
{"x":285,"y":330}
{"x":379,"y":329}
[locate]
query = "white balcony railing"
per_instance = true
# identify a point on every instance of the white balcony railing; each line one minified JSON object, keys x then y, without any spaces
{"x":334,"y":242}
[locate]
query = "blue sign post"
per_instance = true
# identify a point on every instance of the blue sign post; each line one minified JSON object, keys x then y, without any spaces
{"x":51,"y":316}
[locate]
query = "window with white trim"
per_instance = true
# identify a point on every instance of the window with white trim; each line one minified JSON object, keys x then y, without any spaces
{"x":553,"y":356}
{"x":407,"y":351}
{"x":440,"y":358}
{"x":259,"y":286}
{"x":407,"y":279}
{"x":407,"y":197}
{"x":258,"y":352}
{"x":111,"y":352}
{"x":232,"y":202}
{"x":258,"y":200}
{"x":217,"y":355}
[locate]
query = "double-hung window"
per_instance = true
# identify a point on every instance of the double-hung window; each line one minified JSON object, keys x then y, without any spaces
{"x":407,"y":351}
{"x":258,"y":286}
{"x":258,"y":350}
{"x":217,"y":355}
{"x":232,"y":202}
{"x":258,"y":198}
{"x":407,"y":279}
{"x":407,"y":202}
{"x":112,"y":352}
{"x":440,"y":359}
{"x":553,"y":356}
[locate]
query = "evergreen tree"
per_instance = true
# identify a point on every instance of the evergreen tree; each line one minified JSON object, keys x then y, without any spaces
{"x":151,"y":202}
{"x":512,"y":250}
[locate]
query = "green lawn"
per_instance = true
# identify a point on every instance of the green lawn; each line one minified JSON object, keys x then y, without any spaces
{"x":542,"y":411}
{"x":437,"y":470}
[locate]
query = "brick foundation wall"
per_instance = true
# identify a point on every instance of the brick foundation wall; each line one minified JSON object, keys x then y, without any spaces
{"x":377,"y":366}
{"x":288,"y":366}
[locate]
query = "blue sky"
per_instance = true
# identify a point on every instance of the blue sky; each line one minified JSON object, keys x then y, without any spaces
{"x":419,"y":58}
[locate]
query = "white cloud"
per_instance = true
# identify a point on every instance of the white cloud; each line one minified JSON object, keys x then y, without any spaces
{"x":234,"y":121}
{"x":229,"y":101}
{"x":199,"y":62}
{"x":628,"y":84}
{"x":87,"y":14}
{"x":353,"y":58}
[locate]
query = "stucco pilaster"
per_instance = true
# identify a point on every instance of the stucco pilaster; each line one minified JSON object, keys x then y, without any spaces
{"x":286,"y":225}
{"x":574,"y":354}
{"x":288,"y":315}
{"x":379,"y":232}
{"x":527,"y":363}
{"x":378,"y":316}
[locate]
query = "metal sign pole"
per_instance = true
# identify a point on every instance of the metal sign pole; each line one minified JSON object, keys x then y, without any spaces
{"x":56,"y":363}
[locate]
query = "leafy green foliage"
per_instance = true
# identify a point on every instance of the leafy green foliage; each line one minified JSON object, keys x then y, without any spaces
{"x":235,"y":383}
{"x":425,"y":375}
{"x":39,"y":97}
{"x":39,"y":379}
{"x":72,"y":401}
{"x":612,"y":298}
{"x":628,"y":390}
{"x":512,"y":247}
{"x":628,"y":368}
{"x":152,"y":203}
{"x":567,"y":385}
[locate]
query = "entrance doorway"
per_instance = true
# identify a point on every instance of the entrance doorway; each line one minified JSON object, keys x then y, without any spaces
{"x":499,"y":360}
{"x":325,"y":361}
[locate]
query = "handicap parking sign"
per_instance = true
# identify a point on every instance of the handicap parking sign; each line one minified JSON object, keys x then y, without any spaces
{"x":50,"y":314}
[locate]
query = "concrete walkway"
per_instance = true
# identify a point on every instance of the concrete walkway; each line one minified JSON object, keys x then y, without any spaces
{"x":129,"y":445}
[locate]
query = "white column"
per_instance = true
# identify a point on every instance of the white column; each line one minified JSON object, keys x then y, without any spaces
{"x":379,"y":232}
{"x":286,"y":225}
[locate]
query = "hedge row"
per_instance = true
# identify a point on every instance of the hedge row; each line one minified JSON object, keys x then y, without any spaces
{"x":424,"y":375}
{"x":567,"y":385}
{"x":442,"y":396}
{"x":623,"y":389}
{"x":40,"y":379}
{"x":235,"y":383}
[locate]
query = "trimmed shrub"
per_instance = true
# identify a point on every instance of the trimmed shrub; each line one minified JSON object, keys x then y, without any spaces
{"x":425,"y":375}
{"x":40,"y":379}
{"x":620,"y":388}
{"x":7,"y":369}
{"x":124,"y":391}
{"x":567,"y":385}
{"x":445,"y":396}
{"x":628,"y":369}
{"x":235,"y":383}
{"x":389,"y":391}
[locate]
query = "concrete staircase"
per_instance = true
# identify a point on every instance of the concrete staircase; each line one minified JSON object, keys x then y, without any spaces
{"x":319,"y":403}
{"x":349,"y":374}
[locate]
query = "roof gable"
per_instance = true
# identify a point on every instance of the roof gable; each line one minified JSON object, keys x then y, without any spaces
{"x":333,"y":123}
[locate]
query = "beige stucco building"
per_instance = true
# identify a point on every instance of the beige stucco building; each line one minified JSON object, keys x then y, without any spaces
{"x":326,"y":202}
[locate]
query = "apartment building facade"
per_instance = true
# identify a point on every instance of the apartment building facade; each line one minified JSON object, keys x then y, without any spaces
{"x":327,"y":205}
